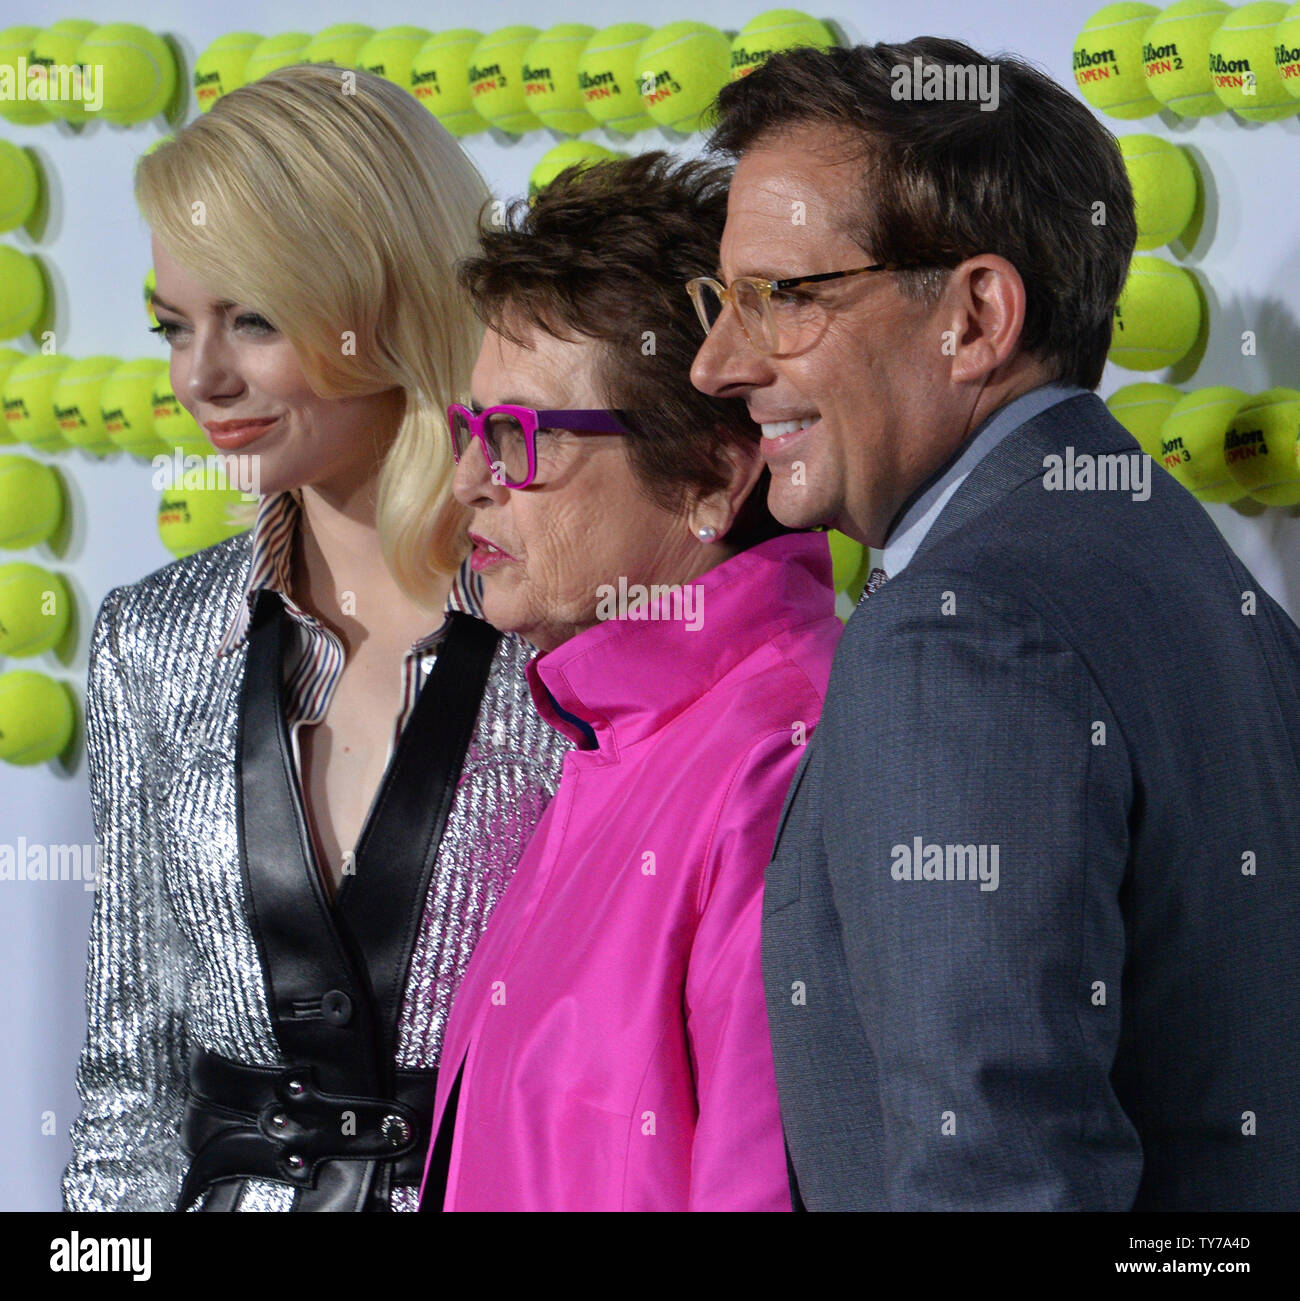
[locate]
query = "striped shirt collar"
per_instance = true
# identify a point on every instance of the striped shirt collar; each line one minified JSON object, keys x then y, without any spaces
{"x":278,"y":517}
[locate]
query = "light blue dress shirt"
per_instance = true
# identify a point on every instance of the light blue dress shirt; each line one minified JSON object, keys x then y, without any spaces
{"x":917,"y":517}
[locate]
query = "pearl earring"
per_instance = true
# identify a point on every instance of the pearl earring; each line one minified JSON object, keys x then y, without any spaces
{"x":707,"y":533}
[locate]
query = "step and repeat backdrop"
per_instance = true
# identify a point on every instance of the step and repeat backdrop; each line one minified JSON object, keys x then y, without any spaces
{"x":95,"y":450}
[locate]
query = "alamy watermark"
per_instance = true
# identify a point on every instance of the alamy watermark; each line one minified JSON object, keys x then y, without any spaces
{"x":76,"y":1254}
{"x":658,"y":602}
{"x":44,"y":81}
{"x":192,"y":472}
{"x":947,"y":81}
{"x":1108,"y":472}
{"x":36,"y":861}
{"x":921,"y":862}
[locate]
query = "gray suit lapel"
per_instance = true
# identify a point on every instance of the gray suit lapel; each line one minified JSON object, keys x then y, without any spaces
{"x":1018,"y":457}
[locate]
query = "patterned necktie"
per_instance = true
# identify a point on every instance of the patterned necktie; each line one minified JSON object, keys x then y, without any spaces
{"x":876,"y":579}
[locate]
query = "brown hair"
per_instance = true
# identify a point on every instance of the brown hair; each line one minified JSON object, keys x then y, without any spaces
{"x":943,"y":180}
{"x":604,"y":253}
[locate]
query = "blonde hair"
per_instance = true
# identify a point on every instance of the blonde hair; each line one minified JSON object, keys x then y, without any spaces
{"x":335,"y":203}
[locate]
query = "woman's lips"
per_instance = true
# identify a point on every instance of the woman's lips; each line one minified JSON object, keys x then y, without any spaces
{"x":486,"y":555}
{"x":227,"y":435}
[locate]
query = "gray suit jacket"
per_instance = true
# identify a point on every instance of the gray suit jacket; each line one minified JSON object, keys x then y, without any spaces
{"x":1032,"y":922}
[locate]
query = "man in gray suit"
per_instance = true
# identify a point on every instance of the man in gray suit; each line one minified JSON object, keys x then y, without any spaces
{"x":1032,"y":921}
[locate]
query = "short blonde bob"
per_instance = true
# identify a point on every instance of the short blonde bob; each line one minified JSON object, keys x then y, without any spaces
{"x":334,"y":203}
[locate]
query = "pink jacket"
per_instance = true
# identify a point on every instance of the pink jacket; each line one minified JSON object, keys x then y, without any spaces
{"x":610,"y":1035}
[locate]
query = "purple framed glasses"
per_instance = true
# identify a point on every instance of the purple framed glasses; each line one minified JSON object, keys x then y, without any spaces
{"x":508,"y":435}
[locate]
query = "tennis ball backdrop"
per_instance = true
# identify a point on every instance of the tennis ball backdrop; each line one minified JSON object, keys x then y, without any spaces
{"x":1243,"y":67}
{"x":57,"y":46}
{"x":681,"y":68}
{"x":440,"y":80}
{"x":36,"y":717}
{"x":35,"y":609}
{"x":139,"y":71}
{"x":607,"y":78}
{"x":1176,"y":57}
{"x":550,"y":72}
{"x":31,"y":502}
{"x":1158,"y":316}
{"x":1108,"y":66}
{"x":1164,"y":184}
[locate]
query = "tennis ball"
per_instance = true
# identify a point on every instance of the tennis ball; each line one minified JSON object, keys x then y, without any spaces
{"x":1176,"y":57}
{"x":9,"y":358}
{"x":57,"y":46}
{"x":568,"y":154}
{"x":76,"y":403}
{"x":173,"y":425}
{"x":31,"y":502}
{"x":440,"y":80}
{"x":1164,"y":188}
{"x":338,"y":44}
{"x":770,"y":32}
{"x":126,"y":407}
{"x":1158,"y":316}
{"x":190,"y":519}
{"x":20,"y":185}
{"x":551,"y":87}
{"x":1108,"y":66}
{"x":29,"y":401}
{"x":15,"y":103}
{"x":1191,"y":442}
{"x":35,"y":608}
{"x":846,"y":559}
{"x":680,"y":69}
{"x":1141,"y":409}
{"x":22,"y":292}
{"x":36,"y":717}
{"x":1286,"y":50}
{"x":138,"y":71}
{"x":1262,"y":445}
{"x":496,"y":79}
{"x":220,"y":68}
{"x":275,"y":52}
{"x":389,"y":53}
{"x":1243,"y":69}
{"x":607,"y":78}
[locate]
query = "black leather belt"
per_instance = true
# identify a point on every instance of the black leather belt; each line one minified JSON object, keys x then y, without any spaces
{"x":264,"y":1122}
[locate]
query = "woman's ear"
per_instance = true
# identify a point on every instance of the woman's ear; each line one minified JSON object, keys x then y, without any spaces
{"x":720,"y":508}
{"x":747,"y":465}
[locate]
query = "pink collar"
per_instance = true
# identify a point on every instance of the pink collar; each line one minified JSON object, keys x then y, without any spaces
{"x":628,"y":677}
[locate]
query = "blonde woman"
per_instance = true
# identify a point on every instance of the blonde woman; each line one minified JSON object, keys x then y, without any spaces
{"x":312,"y":767}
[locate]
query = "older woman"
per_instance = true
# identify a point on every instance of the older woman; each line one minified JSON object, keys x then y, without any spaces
{"x":608,"y":1049}
{"x":311,"y":776}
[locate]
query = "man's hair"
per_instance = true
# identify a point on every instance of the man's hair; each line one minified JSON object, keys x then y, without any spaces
{"x":1037,"y":180}
{"x":604,"y":253}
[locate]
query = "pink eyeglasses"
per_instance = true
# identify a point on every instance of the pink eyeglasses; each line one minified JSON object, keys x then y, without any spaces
{"x":508,"y":435}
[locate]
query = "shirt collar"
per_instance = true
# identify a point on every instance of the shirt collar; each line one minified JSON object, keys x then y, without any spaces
{"x":625,"y":678}
{"x":925,"y":505}
{"x":278,"y":517}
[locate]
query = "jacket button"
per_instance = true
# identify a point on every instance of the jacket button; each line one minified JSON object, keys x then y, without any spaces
{"x":336,"y":1007}
{"x":395,"y":1130}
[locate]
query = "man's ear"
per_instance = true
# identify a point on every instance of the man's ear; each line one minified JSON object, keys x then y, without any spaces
{"x":985,"y":313}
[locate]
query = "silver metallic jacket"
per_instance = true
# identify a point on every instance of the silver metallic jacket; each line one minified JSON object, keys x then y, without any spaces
{"x":173,"y":965}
